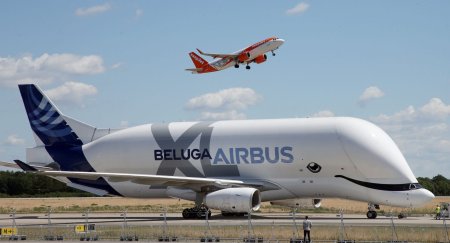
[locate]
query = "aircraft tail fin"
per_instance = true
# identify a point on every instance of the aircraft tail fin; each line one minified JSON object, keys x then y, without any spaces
{"x":46,"y":121}
{"x":197,"y":60}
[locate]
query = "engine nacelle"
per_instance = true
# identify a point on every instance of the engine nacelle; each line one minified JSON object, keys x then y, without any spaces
{"x":298,"y":203}
{"x":244,"y":56}
{"x":237,"y":200}
{"x":261,"y":58}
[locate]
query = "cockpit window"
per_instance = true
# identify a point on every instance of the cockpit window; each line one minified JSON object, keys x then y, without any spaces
{"x":414,"y":186}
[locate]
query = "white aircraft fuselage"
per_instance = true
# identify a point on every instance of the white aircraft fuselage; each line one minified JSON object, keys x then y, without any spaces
{"x":277,"y":152}
{"x":227,"y":165}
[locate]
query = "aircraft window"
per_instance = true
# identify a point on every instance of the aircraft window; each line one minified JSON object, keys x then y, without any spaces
{"x":413,"y":186}
{"x":314,"y":167}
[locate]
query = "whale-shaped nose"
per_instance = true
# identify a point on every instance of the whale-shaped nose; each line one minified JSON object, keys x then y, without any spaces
{"x":420,"y":196}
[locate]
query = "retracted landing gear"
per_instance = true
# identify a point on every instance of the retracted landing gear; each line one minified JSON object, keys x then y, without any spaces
{"x":372,"y":214}
{"x":197,"y":212}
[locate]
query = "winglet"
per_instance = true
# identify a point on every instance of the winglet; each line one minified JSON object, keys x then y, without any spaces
{"x":24,"y":166}
{"x":199,"y":51}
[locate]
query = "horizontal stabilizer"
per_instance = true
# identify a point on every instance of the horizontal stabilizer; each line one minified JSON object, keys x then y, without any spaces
{"x":193,"y":69}
{"x":33,"y":165}
{"x":24,"y":166}
{"x":9,"y":165}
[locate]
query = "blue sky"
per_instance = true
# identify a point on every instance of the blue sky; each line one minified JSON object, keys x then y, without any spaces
{"x":121,"y":63}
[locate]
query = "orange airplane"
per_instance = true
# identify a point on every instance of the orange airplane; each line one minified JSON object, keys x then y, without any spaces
{"x":253,"y":53}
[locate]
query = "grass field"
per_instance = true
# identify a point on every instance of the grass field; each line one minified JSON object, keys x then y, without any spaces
{"x":279,"y":232}
{"x":114,"y":204}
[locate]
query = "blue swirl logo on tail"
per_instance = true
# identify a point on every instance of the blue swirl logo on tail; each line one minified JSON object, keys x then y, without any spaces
{"x":45,"y":119}
{"x":61,"y":142}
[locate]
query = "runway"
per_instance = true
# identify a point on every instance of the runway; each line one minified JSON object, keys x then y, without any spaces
{"x":216,"y":219}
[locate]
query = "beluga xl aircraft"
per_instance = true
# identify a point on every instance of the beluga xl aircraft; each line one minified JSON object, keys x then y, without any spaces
{"x":253,"y":53}
{"x":231,"y":166}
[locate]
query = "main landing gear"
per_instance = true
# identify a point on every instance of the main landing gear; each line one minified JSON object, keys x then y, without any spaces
{"x":236,"y":65}
{"x":372,"y":214}
{"x":247,"y":67}
{"x":197,"y":212}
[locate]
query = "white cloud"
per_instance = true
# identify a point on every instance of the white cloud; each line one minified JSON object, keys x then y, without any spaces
{"x":434,"y":110}
{"x":298,"y":9}
{"x":138,"y":13}
{"x":47,"y":68}
{"x":93,"y":10}
{"x":369,"y":94}
{"x":123,"y":124}
{"x":423,"y":135}
{"x":324,"y":113}
{"x":73,"y":64}
{"x":14,"y":140}
{"x":230,"y":99}
{"x":117,"y":65}
{"x":72,"y":92}
{"x":226,"y":115}
{"x":225,"y":104}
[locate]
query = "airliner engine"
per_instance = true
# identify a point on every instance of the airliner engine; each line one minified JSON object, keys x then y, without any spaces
{"x":244,"y":56}
{"x":237,"y":200}
{"x":231,"y":200}
{"x":261,"y":58}
{"x":298,"y":203}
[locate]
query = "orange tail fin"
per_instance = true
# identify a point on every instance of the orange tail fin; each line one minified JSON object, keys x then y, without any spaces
{"x":197,"y":60}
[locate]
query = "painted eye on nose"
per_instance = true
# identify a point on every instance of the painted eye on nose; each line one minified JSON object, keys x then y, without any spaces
{"x":314,"y":167}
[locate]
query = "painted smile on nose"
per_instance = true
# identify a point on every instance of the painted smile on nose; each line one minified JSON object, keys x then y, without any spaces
{"x":383,"y":187}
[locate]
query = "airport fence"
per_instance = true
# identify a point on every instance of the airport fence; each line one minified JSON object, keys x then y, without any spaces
{"x":231,"y":233}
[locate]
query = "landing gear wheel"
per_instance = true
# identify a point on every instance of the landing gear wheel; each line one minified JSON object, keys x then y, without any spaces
{"x":185,"y":213}
{"x":273,"y":53}
{"x":197,"y":212}
{"x":236,"y":65}
{"x":371,"y":214}
{"x":247,"y":67}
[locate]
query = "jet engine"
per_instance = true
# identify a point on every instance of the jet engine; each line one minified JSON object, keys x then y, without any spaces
{"x":244,"y":56}
{"x":298,"y":203}
{"x":261,"y":58}
{"x":242,"y":199}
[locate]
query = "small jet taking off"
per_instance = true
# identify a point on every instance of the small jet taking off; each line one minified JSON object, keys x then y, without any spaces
{"x":254,"y":53}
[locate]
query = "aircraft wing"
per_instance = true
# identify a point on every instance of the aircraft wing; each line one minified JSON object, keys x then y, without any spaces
{"x":216,"y":55}
{"x":195,"y":183}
